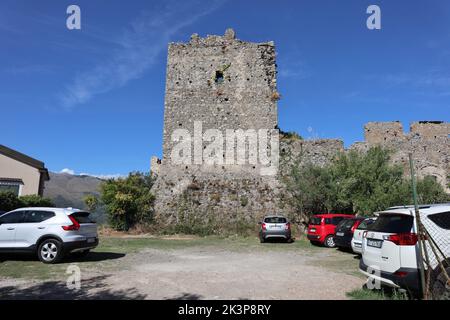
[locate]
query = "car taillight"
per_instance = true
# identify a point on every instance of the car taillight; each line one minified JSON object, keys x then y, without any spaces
{"x":403,"y":239}
{"x":74,"y":226}
{"x":263,"y":226}
{"x":288,"y":226}
{"x":401,"y":273}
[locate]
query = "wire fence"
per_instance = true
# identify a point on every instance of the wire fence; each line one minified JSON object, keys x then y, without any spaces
{"x":434,"y":237}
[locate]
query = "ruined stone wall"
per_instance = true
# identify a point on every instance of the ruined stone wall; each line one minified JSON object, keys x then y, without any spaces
{"x":428,"y":141}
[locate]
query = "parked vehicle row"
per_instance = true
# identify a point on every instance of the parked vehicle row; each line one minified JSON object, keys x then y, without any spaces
{"x":388,"y":244}
{"x":50,"y":233}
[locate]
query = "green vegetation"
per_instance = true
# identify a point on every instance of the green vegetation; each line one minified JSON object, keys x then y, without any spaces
{"x":128,"y":201}
{"x":357,"y":182}
{"x":9,"y":201}
{"x":366,"y":294}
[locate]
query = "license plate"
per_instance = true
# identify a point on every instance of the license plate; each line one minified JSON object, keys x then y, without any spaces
{"x":312,"y":230}
{"x":374,"y":243}
{"x":339,"y":234}
{"x":91,"y":240}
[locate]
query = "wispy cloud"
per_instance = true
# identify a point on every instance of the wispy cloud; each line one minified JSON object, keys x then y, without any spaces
{"x":67,"y":171}
{"x":430,"y":82}
{"x":100,"y":176}
{"x":139,"y":47}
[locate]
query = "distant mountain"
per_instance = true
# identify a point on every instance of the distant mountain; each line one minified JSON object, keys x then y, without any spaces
{"x":68,"y":190}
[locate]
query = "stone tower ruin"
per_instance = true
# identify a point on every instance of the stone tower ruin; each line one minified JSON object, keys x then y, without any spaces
{"x":215,"y":83}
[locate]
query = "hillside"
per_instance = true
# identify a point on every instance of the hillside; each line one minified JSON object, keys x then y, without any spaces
{"x":68,"y":190}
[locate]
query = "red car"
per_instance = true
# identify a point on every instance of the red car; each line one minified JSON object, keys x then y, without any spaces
{"x":321,"y":227}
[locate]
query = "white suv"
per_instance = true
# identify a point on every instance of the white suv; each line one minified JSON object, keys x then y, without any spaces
{"x":390,"y":247}
{"x":49,"y":232}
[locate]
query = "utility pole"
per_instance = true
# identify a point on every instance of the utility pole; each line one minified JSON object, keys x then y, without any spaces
{"x":420,"y":234}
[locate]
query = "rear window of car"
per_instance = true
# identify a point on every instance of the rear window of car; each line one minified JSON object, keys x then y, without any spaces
{"x":364,"y":224}
{"x":82,"y":217}
{"x":315,"y":221}
{"x":346,"y":223}
{"x":392,"y":223}
{"x":441,"y":219}
{"x":275,"y":220}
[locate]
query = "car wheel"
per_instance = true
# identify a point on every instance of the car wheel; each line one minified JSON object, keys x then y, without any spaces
{"x":329,"y":241}
{"x":80,"y":254}
{"x":50,"y":251}
{"x":440,"y":288}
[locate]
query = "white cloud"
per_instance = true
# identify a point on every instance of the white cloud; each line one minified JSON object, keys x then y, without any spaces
{"x":104,"y":176}
{"x":140,"y":46}
{"x":67,"y":171}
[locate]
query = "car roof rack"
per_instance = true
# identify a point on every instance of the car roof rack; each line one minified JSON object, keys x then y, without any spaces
{"x":421,"y":206}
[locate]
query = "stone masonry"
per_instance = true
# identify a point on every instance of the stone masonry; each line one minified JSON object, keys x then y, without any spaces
{"x":225,"y":83}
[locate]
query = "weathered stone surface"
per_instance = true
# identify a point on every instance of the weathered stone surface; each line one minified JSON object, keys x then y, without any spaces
{"x":428,"y":141}
{"x":227,"y":83}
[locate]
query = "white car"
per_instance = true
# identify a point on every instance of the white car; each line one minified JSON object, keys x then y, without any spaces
{"x":358,"y":235}
{"x":390,"y":247}
{"x":51,"y":233}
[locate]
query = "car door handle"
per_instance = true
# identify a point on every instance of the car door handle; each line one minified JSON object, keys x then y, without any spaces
{"x":10,"y":228}
{"x":41,"y":227}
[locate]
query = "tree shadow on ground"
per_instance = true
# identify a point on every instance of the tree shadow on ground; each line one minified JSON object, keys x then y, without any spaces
{"x":91,"y":289}
{"x":91,"y":257}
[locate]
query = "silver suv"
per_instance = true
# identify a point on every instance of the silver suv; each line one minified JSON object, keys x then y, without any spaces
{"x":51,"y":233}
{"x":275,"y":226}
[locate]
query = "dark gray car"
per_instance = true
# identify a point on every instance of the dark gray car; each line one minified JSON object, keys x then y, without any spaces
{"x":275,"y":226}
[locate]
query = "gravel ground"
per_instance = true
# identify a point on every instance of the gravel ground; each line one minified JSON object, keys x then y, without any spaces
{"x":203,"y":272}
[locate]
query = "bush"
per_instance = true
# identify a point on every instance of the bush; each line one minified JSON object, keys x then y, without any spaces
{"x":36,"y":201}
{"x":128,"y":201}
{"x":9,"y":201}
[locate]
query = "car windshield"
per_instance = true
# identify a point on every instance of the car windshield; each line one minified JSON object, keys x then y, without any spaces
{"x":315,"y":221}
{"x":392,"y":223}
{"x":275,"y":220}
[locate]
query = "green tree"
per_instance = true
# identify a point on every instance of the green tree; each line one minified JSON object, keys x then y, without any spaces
{"x":358,"y":182}
{"x":128,"y":200}
{"x":91,"y":202}
{"x":430,"y":191}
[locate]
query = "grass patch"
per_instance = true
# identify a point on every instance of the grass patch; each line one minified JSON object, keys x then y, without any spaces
{"x":383,"y":294}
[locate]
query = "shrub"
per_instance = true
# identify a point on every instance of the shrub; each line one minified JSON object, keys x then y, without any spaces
{"x":128,"y":201}
{"x":9,"y":201}
{"x":36,"y":201}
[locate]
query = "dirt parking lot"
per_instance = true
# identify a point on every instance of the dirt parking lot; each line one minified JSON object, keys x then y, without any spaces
{"x":188,"y":268}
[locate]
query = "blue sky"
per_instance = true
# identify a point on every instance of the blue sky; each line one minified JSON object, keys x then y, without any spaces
{"x":91,"y":100}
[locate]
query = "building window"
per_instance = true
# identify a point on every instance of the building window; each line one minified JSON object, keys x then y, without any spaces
{"x":11,"y":185}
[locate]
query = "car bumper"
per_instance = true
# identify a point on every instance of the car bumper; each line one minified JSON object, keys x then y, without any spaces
{"x":357,"y":247}
{"x":314,"y":237}
{"x":343,"y":242}
{"x":408,"y":281}
{"x":286,"y":234}
{"x":81,"y":245}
